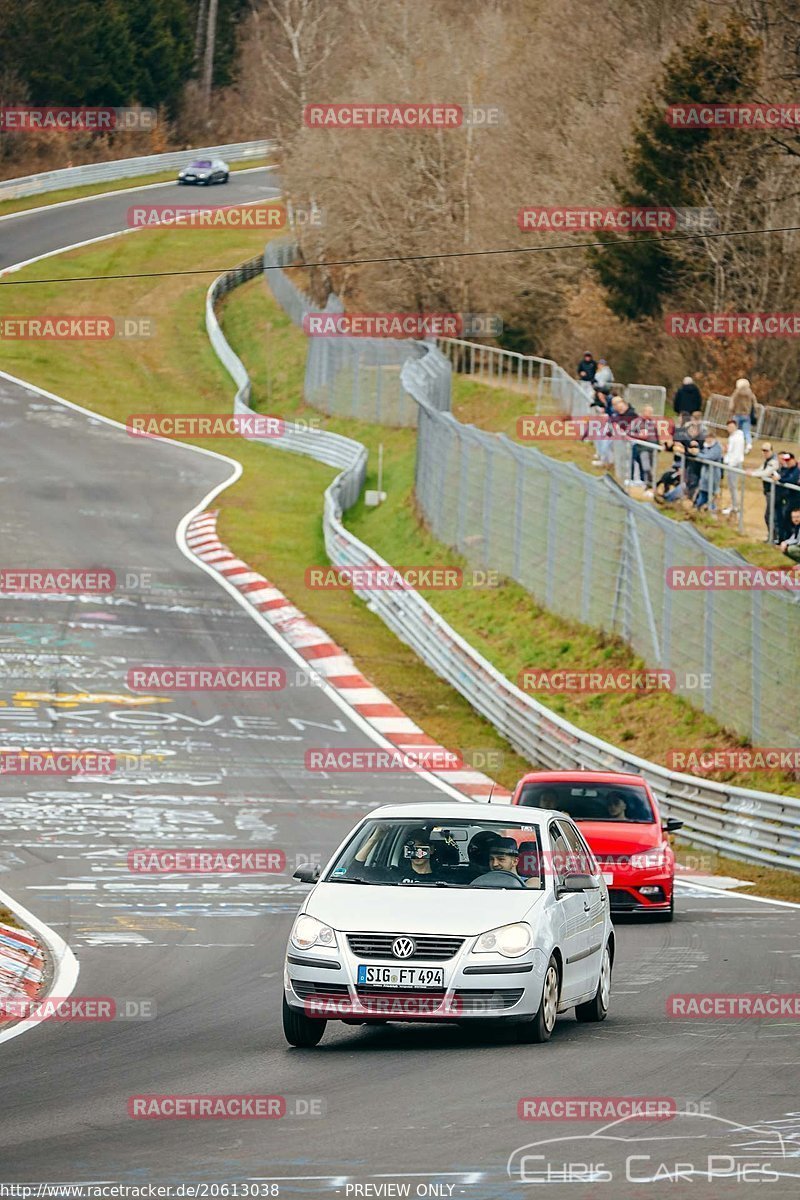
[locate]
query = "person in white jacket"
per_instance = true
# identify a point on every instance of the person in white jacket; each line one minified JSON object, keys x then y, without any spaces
{"x":734,"y":457}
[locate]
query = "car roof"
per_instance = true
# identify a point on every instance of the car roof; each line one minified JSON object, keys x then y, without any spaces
{"x":451,"y":810}
{"x":576,"y":776}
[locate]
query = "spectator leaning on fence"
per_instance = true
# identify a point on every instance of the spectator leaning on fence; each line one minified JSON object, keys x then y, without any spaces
{"x":687,"y":399}
{"x":645,"y":429}
{"x":587,"y":368}
{"x":768,"y":473}
{"x":743,"y":410}
{"x":734,"y":457}
{"x":785,"y":498}
{"x":710,"y":475}
{"x":791,"y":544}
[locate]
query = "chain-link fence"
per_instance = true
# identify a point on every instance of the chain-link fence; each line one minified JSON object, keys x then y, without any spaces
{"x":585,"y":550}
{"x":755,"y":826}
{"x":578,"y":544}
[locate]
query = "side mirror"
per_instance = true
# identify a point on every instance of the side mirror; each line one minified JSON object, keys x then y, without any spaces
{"x":671,"y":824}
{"x":307,"y":873}
{"x":578,"y":881}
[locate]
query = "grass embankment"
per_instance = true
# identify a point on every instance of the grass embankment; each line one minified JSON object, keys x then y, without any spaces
{"x":271,"y":517}
{"x":8,"y":918}
{"x":43,"y":199}
{"x":497,"y":408}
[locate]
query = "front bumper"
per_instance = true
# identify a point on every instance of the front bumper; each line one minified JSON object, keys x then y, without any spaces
{"x":323,"y":985}
{"x":626,"y":894}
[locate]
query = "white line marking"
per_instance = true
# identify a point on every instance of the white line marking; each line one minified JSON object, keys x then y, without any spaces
{"x":65,"y":964}
{"x":712,"y":891}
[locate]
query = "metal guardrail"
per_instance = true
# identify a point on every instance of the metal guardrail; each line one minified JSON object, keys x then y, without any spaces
{"x":753,"y":826}
{"x":126,"y":168}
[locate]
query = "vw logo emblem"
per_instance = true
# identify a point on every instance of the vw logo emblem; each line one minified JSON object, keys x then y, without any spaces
{"x":403,"y":947}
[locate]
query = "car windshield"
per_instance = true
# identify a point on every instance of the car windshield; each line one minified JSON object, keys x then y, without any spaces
{"x":592,"y":802}
{"x":202,"y":163}
{"x":459,"y":853}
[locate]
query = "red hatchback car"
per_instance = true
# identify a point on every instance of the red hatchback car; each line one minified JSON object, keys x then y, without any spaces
{"x":618,"y":816}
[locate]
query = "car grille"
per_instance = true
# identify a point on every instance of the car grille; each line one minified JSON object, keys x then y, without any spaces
{"x":621,"y":901}
{"x":304,"y":988}
{"x":431,"y":947}
{"x":466,"y":1000}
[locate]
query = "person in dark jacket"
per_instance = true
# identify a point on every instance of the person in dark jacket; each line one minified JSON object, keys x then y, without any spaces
{"x":687,"y":400}
{"x":785,"y":498}
{"x":587,"y":367}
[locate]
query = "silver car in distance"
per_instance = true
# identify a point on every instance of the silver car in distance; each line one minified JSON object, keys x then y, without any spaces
{"x":451,"y":912}
{"x":205,"y":171}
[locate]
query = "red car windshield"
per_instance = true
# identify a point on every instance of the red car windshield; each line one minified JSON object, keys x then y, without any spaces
{"x":591,"y":802}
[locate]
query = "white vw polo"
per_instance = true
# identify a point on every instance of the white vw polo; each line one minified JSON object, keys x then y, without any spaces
{"x":451,"y":912}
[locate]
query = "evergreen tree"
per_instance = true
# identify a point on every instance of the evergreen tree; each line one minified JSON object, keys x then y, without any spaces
{"x":716,"y":66}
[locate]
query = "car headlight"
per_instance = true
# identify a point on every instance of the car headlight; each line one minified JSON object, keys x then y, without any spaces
{"x":650,"y":860}
{"x":509,"y":940}
{"x":308,"y":932}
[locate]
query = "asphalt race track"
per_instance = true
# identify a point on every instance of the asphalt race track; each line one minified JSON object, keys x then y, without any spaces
{"x":409,"y":1105}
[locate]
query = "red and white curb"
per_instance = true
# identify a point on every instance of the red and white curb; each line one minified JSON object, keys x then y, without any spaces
{"x":329,"y":661}
{"x":21,"y":965}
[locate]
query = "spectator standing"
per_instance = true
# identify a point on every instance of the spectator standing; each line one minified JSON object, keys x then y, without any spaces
{"x":687,"y":400}
{"x":785,"y":499}
{"x":692,"y":431}
{"x":743,"y":410}
{"x":645,"y":429}
{"x":710,"y":475}
{"x":734,"y":457}
{"x":604,"y":449}
{"x":604,"y":376}
{"x":587,"y":368}
{"x":768,"y":473}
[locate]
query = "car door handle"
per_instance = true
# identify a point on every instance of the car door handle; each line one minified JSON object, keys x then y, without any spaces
{"x":587,"y":907}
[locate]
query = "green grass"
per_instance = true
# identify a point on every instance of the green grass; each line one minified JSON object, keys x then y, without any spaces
{"x":24,"y":203}
{"x":8,"y":918}
{"x":272,"y":516}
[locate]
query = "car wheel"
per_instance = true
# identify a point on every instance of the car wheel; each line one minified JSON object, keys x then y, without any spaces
{"x":541,"y":1026}
{"x":300,"y":1030}
{"x":597,"y":1009}
{"x":225,"y":178}
{"x":669,"y":913}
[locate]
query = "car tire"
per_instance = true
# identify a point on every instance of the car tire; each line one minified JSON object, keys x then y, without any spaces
{"x":225,"y":178}
{"x":541,"y":1026}
{"x":300,"y":1030}
{"x":596,"y":1009}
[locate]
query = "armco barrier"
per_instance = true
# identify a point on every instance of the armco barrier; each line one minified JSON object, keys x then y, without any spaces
{"x":126,"y":168}
{"x":753,"y":826}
